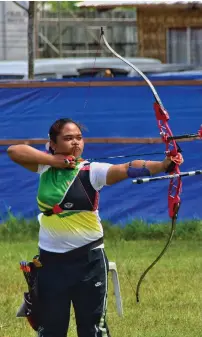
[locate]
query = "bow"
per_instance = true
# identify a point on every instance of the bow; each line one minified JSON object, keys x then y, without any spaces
{"x":172,"y":149}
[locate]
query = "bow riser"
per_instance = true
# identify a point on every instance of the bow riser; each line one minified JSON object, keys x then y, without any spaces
{"x":172,"y":149}
{"x":173,"y":204}
{"x":162,"y":117}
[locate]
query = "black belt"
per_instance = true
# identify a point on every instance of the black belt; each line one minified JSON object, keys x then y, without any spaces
{"x":45,"y":256}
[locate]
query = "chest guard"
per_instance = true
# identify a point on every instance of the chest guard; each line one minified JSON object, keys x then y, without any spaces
{"x":81,"y":196}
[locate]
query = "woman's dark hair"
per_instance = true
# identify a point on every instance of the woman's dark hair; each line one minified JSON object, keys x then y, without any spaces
{"x":57,"y":126}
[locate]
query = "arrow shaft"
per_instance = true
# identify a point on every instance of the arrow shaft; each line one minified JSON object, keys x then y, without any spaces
{"x":127,"y":156}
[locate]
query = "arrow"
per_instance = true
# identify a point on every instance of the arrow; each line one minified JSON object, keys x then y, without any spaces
{"x":128,"y":155}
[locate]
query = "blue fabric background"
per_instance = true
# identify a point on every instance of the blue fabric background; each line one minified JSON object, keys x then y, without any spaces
{"x":107,"y":112}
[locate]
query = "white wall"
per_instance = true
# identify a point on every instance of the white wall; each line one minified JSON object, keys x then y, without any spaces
{"x":13,"y":31}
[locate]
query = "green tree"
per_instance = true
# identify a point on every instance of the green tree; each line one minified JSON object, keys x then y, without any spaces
{"x":63,"y":5}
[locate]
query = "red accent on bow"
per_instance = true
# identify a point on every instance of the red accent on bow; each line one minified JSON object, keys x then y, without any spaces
{"x":175,"y":186}
{"x":200,"y":132}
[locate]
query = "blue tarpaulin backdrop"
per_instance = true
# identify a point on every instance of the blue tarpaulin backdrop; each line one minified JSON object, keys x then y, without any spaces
{"x":107,"y":112}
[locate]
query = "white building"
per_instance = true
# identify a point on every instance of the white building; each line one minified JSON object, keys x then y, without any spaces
{"x":13,"y":31}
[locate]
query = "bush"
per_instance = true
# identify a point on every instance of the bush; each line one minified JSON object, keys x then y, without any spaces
{"x":16,"y":229}
{"x":139,"y":229}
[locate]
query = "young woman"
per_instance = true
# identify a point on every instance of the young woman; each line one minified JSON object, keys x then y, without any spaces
{"x":71,"y":249}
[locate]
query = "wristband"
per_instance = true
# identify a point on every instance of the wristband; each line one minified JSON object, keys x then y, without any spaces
{"x":134,"y":172}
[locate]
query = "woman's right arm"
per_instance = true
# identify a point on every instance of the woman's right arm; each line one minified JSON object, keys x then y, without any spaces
{"x":30,"y":158}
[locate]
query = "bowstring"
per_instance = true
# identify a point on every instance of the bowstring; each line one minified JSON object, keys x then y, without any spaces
{"x":92,"y":72}
{"x":112,"y":157}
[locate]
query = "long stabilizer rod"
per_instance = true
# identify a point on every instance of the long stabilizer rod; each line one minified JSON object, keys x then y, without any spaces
{"x":185,"y":136}
{"x":169,"y":176}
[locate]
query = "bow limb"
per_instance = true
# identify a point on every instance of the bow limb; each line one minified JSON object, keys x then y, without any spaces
{"x":172,"y":149}
{"x":156,"y":96}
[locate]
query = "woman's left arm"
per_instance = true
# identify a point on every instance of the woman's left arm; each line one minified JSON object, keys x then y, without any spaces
{"x":117,"y":173}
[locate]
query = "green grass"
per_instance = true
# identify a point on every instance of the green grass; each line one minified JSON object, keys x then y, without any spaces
{"x":170,"y":296}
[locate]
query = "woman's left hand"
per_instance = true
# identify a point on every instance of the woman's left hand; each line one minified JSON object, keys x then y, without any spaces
{"x":178,"y":159}
{"x":169,"y":162}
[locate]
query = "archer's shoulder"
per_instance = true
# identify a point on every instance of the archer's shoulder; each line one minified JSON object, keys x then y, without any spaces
{"x":42,"y":168}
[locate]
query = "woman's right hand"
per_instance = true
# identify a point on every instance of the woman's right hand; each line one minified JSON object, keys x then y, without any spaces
{"x":63,"y":162}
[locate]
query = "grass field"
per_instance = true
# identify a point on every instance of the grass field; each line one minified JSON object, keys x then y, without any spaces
{"x":171,"y":295}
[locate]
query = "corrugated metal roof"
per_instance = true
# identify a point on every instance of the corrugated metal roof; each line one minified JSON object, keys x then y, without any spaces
{"x":136,"y":3}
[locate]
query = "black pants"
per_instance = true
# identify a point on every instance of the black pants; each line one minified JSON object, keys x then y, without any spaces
{"x":81,"y":281}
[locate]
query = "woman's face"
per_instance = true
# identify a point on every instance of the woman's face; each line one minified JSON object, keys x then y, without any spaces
{"x":69,"y":141}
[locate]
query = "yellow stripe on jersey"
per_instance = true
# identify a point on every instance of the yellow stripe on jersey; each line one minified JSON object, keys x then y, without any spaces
{"x":72,"y":224}
{"x":40,"y":203}
{"x":42,"y":209}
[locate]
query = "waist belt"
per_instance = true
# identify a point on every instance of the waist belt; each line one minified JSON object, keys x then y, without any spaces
{"x":45,"y":256}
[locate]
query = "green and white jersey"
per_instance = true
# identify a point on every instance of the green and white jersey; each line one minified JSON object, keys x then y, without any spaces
{"x":70,"y":229}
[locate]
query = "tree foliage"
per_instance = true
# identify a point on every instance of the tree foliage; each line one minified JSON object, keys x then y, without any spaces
{"x":62,"y":5}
